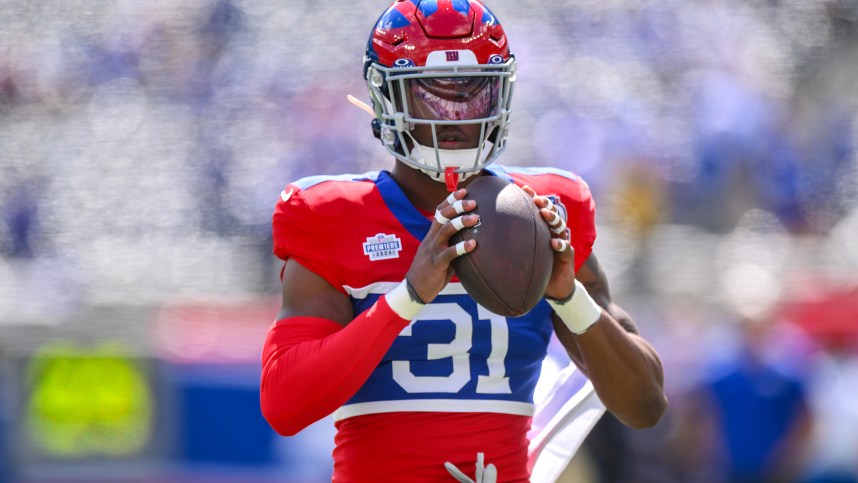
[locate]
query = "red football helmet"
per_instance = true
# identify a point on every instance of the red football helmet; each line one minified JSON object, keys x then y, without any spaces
{"x":438,"y":63}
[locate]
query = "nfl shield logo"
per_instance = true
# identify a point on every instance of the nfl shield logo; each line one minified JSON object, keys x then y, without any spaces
{"x":382,"y":247}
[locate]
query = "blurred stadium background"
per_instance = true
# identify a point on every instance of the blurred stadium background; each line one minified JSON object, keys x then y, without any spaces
{"x":143,"y":145}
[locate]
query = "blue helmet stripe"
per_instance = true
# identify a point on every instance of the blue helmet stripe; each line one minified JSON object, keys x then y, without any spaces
{"x":462,"y":6}
{"x":488,"y":16}
{"x":428,"y":7}
{"x":393,"y":19}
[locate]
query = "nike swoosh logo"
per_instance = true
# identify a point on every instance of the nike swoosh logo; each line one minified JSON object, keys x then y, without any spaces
{"x":285,"y":196}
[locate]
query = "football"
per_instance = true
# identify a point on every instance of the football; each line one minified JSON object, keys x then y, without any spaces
{"x":508,"y":271}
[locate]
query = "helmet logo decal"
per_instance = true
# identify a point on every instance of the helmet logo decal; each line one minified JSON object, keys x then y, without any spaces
{"x":451,"y":57}
{"x":496,"y":59}
{"x":404,"y":63}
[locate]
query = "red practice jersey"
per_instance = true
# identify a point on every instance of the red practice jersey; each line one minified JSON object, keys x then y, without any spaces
{"x":458,"y":379}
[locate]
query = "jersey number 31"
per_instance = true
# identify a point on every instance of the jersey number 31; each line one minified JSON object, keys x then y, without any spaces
{"x":495,"y":382}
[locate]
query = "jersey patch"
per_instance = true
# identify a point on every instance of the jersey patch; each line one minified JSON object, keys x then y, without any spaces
{"x":382,"y":247}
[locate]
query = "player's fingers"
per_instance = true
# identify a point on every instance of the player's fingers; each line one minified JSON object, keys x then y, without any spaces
{"x":548,"y":215}
{"x":457,"y":224}
{"x":440,"y":218}
{"x":549,"y":205}
{"x":542,"y":202}
{"x":454,"y":251}
{"x":564,"y":250}
{"x":445,"y":214}
{"x":461,"y":248}
{"x":539,"y":200}
{"x":557,"y":224}
{"x":451,"y":198}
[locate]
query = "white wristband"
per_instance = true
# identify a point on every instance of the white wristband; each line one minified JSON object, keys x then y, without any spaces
{"x":401,"y":303}
{"x":579,"y":313}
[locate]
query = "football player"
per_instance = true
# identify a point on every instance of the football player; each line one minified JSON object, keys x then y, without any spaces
{"x":424,"y":384}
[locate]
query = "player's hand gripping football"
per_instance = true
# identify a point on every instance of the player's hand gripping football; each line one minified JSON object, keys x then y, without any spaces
{"x":562,"y":282}
{"x":431,"y":268}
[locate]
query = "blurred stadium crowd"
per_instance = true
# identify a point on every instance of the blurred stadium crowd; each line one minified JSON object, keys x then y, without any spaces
{"x":143,"y":145}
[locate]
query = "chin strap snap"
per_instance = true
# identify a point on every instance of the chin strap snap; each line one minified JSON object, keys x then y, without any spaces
{"x":452,"y":178}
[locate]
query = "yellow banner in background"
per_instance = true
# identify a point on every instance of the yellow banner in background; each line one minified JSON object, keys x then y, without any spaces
{"x":88,"y":401}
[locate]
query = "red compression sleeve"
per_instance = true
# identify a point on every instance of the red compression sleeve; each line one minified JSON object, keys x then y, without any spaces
{"x":312,"y":366}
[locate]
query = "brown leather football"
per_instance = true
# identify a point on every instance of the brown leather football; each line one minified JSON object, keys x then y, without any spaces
{"x":509,"y":270}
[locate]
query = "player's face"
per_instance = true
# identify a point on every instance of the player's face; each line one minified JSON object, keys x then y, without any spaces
{"x":451,"y":99}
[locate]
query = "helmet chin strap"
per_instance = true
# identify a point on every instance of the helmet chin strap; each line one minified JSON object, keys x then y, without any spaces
{"x":452,"y":178}
{"x":451,"y":160}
